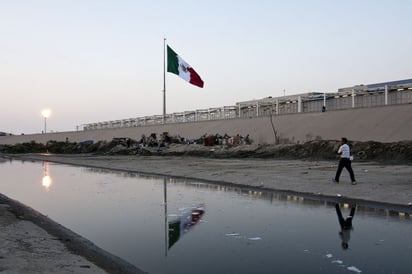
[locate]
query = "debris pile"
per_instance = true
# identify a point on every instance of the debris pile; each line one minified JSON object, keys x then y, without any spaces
{"x":221,"y":146}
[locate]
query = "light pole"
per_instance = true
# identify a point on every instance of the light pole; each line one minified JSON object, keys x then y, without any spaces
{"x":46,"y":114}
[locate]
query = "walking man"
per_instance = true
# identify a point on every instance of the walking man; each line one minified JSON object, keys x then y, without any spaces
{"x":344,"y":162}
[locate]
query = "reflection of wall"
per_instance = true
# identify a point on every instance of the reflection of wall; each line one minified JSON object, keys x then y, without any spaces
{"x":269,"y":196}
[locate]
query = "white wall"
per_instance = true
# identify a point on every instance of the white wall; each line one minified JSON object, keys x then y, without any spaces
{"x":384,"y":124}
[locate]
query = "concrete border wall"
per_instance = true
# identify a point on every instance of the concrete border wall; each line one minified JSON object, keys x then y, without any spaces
{"x":383,"y":124}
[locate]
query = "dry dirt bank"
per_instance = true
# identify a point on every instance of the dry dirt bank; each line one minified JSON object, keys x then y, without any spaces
{"x":32,"y":243}
{"x":27,"y":248}
{"x":388,"y":153}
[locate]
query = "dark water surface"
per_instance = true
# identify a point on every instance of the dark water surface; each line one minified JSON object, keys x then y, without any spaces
{"x":207,"y":228}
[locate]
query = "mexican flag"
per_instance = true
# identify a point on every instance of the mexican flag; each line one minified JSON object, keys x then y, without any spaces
{"x":178,"y":66}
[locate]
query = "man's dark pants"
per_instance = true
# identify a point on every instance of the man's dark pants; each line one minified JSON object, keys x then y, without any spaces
{"x":345,"y":162}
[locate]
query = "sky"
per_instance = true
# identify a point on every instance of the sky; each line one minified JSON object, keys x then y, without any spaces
{"x":100,"y":60}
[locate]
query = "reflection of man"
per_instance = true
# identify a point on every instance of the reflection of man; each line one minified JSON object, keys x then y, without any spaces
{"x":345,"y":225}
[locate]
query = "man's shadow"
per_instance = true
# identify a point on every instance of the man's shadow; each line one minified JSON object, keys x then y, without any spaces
{"x":345,"y":225}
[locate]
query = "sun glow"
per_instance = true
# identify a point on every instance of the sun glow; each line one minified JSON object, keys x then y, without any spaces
{"x":46,"y":113}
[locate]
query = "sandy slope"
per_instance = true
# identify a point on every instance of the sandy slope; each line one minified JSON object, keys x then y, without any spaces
{"x":27,"y":248}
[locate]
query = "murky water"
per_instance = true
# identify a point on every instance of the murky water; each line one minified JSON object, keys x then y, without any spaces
{"x":211,"y":229}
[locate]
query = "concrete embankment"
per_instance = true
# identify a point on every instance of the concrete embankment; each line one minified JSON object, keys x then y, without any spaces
{"x":33,"y":243}
{"x":382,"y":124}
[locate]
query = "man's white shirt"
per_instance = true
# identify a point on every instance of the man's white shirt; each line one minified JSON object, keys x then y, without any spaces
{"x":344,"y":151}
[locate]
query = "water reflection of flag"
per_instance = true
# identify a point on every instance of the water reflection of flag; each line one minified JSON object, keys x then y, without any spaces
{"x":189,"y":218}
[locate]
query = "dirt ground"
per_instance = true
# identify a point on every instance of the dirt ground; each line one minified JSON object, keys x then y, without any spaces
{"x":27,"y":248}
{"x":32,"y":243}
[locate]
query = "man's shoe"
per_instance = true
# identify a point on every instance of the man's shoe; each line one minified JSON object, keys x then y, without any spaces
{"x":336,"y":182}
{"x":354,"y":183}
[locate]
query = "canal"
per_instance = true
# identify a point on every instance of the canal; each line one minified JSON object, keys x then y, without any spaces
{"x":164,"y":225}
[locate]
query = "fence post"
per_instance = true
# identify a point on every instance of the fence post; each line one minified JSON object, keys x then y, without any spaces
{"x":353,"y":98}
{"x":386,"y":95}
{"x":257,"y":109}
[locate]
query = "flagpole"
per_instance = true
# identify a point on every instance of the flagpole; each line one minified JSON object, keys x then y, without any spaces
{"x":164,"y":80}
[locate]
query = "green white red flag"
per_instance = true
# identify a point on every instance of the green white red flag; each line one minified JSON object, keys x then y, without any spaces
{"x":178,"y":66}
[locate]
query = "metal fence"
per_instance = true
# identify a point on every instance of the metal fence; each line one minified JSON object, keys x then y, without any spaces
{"x":270,"y":106}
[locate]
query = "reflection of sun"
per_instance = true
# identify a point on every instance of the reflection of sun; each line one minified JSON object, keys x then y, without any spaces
{"x":46,"y":182}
